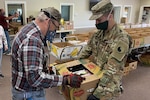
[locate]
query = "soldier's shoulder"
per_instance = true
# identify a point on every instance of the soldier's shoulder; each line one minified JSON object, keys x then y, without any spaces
{"x":121,"y":34}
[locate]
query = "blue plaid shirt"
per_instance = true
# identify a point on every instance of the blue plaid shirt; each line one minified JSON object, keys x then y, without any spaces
{"x":27,"y":61}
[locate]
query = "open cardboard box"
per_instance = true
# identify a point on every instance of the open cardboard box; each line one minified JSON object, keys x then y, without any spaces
{"x":65,"y":50}
{"x":86,"y":69}
{"x":131,"y":64}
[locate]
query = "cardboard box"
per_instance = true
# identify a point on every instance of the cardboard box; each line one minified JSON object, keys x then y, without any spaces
{"x":68,"y":25}
{"x":91,"y":72}
{"x":145,"y":59}
{"x":137,"y":42}
{"x":147,"y":40}
{"x":126,"y":70}
{"x":132,"y":65}
{"x":83,"y":36}
{"x":74,"y":42}
{"x":123,"y":20}
{"x":129,"y":66}
{"x":65,"y":50}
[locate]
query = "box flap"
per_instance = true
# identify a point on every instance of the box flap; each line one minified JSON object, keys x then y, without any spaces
{"x":94,"y":69}
{"x":62,"y":68}
{"x":90,"y":78}
{"x":62,"y":44}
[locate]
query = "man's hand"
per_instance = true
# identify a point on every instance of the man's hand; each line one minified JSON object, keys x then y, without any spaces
{"x":16,"y":14}
{"x":73,"y":80}
{"x":92,"y":97}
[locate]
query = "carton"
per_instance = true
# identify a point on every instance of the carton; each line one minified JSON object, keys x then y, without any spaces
{"x":137,"y":42}
{"x":68,"y":25}
{"x":131,"y":64}
{"x":126,"y":70}
{"x":83,"y":36}
{"x":145,"y":58}
{"x":147,"y":40}
{"x":84,"y":68}
{"x":65,"y":50}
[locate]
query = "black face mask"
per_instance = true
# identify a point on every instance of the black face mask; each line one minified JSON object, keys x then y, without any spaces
{"x":102,"y":26}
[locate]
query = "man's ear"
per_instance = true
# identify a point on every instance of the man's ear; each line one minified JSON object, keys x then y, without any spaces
{"x":110,"y":17}
{"x":49,"y":20}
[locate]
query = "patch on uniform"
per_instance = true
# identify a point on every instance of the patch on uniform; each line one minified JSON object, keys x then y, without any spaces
{"x":120,"y":50}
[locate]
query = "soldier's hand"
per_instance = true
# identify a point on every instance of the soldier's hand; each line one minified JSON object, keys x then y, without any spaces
{"x":73,"y":80}
{"x":92,"y":97}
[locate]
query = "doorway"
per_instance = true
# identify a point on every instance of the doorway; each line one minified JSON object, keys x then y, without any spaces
{"x":15,"y":8}
{"x":117,"y":13}
{"x":67,"y":11}
{"x":144,"y":16}
{"x":12,"y":7}
{"x":127,"y":11}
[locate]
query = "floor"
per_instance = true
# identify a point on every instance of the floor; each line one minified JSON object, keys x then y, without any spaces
{"x":136,"y":83}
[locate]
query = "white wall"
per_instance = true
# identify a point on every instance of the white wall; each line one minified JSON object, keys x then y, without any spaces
{"x":81,"y":10}
{"x":135,"y":7}
{"x":81,"y":7}
{"x":145,"y":2}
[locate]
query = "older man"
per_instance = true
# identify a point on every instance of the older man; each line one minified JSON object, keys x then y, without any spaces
{"x":109,"y":47}
{"x":29,"y":70}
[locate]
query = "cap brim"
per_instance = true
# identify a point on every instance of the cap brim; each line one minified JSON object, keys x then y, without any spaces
{"x":94,"y":17}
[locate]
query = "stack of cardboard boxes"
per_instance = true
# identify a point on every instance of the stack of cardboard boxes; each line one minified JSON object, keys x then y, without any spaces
{"x":140,"y":36}
{"x":83,"y":36}
{"x":66,"y":25}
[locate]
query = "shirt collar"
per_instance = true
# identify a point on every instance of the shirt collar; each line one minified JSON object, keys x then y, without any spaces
{"x":111,"y":32}
{"x":38,"y":28}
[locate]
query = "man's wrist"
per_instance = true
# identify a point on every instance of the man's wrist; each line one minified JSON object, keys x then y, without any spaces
{"x":65,"y":80}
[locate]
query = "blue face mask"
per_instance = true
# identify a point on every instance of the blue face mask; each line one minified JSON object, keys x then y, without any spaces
{"x":50,"y":35}
{"x":102,"y":26}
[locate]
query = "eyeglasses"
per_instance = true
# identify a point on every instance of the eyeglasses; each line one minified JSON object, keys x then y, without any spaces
{"x":57,"y":27}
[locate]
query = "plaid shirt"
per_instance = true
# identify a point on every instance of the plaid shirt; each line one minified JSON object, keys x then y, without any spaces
{"x":27,"y":61}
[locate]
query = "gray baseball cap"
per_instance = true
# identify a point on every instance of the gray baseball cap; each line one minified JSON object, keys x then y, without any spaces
{"x":53,"y":13}
{"x":100,"y":9}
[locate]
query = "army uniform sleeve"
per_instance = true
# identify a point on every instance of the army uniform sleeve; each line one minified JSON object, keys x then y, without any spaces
{"x":87,"y":51}
{"x":109,"y":84}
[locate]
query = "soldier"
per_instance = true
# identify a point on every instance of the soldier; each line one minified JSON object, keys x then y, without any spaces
{"x":109,"y":46}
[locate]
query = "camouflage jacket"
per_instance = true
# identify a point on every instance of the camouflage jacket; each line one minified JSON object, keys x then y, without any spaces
{"x":110,"y":50}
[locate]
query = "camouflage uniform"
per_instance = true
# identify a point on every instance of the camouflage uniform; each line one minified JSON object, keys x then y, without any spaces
{"x":110,"y":52}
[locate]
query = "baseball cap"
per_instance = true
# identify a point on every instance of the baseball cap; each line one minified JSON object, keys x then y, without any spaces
{"x":53,"y":13}
{"x":100,"y":9}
